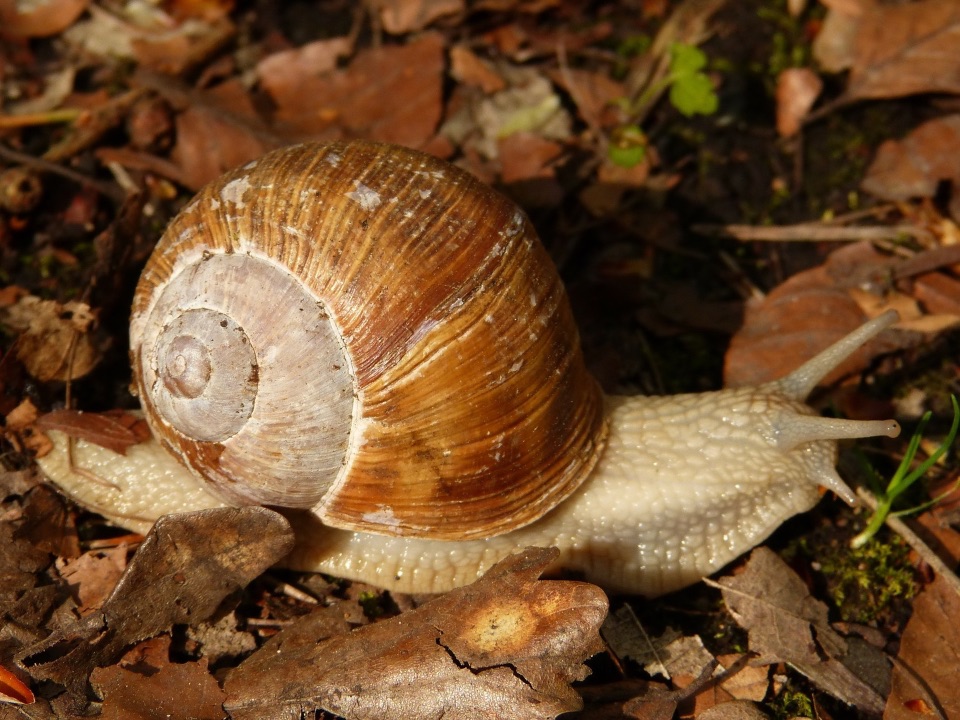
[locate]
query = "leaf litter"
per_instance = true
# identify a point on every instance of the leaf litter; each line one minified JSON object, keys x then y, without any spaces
{"x":519,"y":95}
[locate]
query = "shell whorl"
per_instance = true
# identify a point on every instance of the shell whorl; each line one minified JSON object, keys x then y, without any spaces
{"x":397,"y":347}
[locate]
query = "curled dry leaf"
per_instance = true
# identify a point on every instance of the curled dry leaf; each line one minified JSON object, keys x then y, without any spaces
{"x":56,"y":341}
{"x":146,"y":685}
{"x":403,"y":16}
{"x":929,"y":649}
{"x":905,"y":49}
{"x":506,"y":646}
{"x":917,"y":164}
{"x":797,"y":90}
{"x":181,"y":574}
{"x":786,"y":624}
{"x":115,"y":430}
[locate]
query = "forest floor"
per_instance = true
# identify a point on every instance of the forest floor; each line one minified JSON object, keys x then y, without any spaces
{"x":726,"y":188}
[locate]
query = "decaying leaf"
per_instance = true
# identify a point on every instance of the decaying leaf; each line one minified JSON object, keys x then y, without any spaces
{"x":93,"y":576}
{"x":506,"y":646}
{"x":817,"y":307}
{"x":797,"y":90}
{"x":925,"y":674}
{"x":786,"y":624}
{"x":906,"y":48}
{"x":351,"y":100}
{"x":153,"y":687}
{"x":56,"y":341}
{"x":915,"y":166}
{"x":114,"y":430}
{"x":182,"y":573}
{"x":403,"y":16}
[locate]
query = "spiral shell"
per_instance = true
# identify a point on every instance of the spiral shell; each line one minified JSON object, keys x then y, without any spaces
{"x":369,"y":332}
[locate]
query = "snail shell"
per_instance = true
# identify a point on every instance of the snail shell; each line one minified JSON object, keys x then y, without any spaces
{"x":371,"y":333}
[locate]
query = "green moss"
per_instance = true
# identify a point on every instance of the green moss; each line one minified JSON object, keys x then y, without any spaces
{"x":864,"y":583}
{"x":790,"y":704}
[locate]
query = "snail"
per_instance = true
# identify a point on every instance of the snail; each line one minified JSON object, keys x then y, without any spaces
{"x":376,"y":341}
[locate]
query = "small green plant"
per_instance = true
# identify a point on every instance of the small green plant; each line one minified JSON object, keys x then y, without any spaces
{"x":628,"y":146}
{"x":690,"y":92}
{"x":903,"y":478}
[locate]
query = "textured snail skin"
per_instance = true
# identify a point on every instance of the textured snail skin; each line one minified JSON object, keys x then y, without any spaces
{"x":679,"y":486}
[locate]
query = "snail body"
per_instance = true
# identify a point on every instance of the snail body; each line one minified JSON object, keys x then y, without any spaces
{"x":376,"y":340}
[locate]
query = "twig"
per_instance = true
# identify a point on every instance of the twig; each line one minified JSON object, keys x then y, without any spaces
{"x":103,"y":188}
{"x":809,"y":232}
{"x":915,"y":541}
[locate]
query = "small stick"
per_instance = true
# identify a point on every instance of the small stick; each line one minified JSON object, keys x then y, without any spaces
{"x":809,"y":232}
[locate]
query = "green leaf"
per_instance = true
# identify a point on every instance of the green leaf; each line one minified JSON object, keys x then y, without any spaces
{"x":686,"y":59}
{"x":628,"y":146}
{"x":694,"y":95}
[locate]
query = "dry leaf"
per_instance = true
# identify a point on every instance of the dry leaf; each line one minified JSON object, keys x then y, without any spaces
{"x":915,"y":166}
{"x":595,"y":94}
{"x":93,"y":576}
{"x":351,"y":101}
{"x":797,"y":91}
{"x":153,"y":688}
{"x":926,"y":669}
{"x":468,"y":69}
{"x":506,"y":646}
{"x":404,"y":16}
{"x":39,"y":19}
{"x":734,"y":710}
{"x":116,"y":430}
{"x":786,"y":624}
{"x":905,"y":49}
{"x":220,"y":130}
{"x":55,"y":341}
{"x":182,"y":572}
{"x":833,"y":47}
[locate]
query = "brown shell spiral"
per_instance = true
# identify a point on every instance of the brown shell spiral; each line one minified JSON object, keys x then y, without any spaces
{"x":371,"y":332}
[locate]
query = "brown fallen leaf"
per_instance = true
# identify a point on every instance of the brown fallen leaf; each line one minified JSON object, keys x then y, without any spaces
{"x":469,"y":69}
{"x":153,"y":688}
{"x":56,"y":341}
{"x":350,"y":101}
{"x":47,"y":523}
{"x":797,"y":90}
{"x":218,"y":131}
{"x":905,"y":49}
{"x":787,"y":624}
{"x":404,"y":16}
{"x":181,"y":574}
{"x":93,"y":576}
{"x":925,"y":674}
{"x":816,"y":307}
{"x":915,"y":166}
{"x":506,"y":646}
{"x":115,"y":430}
